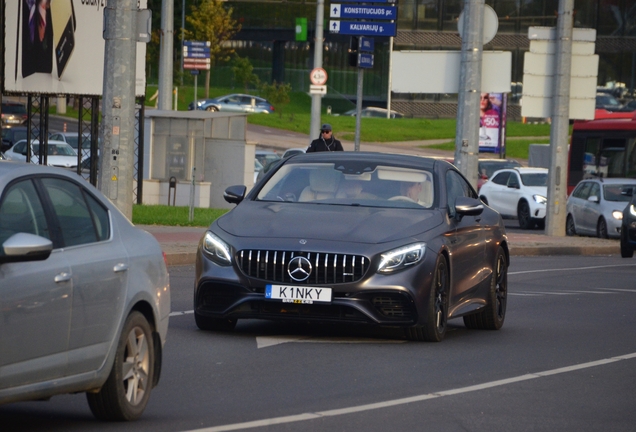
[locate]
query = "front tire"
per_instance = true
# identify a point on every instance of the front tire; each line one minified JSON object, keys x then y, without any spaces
{"x":125,"y":393}
{"x":434,"y":329}
{"x":601,"y":229}
{"x":570,"y":228}
{"x":523,"y":214}
{"x":626,"y":249}
{"x":493,"y":315}
{"x":211,"y":108}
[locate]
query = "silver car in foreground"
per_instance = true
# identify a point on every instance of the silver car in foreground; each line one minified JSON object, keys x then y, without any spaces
{"x":84,"y":295}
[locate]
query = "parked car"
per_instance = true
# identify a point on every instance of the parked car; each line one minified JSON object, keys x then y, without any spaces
{"x":487,"y":167}
{"x":60,"y":154}
{"x":518,"y":192}
{"x":242,"y":103}
{"x":13,"y":114}
{"x":294,"y":151}
{"x":374,"y":112}
{"x":72,"y":139}
{"x":84,"y":295}
{"x":268,"y":159}
{"x":628,"y":226}
{"x":607,"y":102}
{"x":11,"y":136}
{"x":354,"y":237}
{"x":595,"y":207}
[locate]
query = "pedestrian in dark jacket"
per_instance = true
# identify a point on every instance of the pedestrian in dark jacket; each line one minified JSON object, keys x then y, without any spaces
{"x":326,"y":142}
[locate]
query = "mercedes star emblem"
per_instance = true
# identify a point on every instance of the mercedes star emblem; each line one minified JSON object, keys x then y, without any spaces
{"x":299,"y":268}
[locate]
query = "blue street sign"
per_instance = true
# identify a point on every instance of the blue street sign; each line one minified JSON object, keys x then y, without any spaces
{"x":365,"y":60}
{"x":189,"y":54}
{"x":363,"y":28}
{"x":363,"y":12}
{"x":372,"y":1}
{"x":365,"y":44}
{"x":196,"y":43}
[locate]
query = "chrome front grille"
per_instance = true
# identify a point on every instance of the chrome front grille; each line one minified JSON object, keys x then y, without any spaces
{"x":327,"y":268}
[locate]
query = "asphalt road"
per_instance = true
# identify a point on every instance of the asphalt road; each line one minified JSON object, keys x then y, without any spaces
{"x":565,"y":360}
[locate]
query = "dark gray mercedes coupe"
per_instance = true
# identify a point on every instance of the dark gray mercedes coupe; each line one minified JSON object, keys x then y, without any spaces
{"x":353,"y":237}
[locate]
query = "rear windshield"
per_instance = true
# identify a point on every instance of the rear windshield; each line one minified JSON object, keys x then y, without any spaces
{"x":13,"y":109}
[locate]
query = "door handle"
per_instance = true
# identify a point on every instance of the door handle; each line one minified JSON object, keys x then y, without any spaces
{"x":121,"y":267}
{"x":63,"y":277}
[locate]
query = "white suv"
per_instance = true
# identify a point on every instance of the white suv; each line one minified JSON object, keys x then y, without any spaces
{"x":520,"y":193}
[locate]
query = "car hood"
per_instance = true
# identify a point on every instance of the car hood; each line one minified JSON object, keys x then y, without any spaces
{"x":369,"y":225}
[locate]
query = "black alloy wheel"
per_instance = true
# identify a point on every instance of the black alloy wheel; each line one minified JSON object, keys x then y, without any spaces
{"x":570,"y":228}
{"x":434,"y":329}
{"x":601,"y":229}
{"x":493,"y":315}
{"x":523,"y":214}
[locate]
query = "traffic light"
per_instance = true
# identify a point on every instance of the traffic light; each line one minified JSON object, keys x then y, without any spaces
{"x":353,"y":51}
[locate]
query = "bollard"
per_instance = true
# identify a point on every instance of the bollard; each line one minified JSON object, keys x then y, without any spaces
{"x":172,"y":187}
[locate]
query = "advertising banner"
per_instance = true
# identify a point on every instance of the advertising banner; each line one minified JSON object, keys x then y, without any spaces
{"x":492,"y":122}
{"x":57,"y":47}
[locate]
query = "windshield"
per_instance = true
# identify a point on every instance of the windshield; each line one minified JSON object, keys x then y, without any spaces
{"x":56,"y":150}
{"x":535,"y":179}
{"x":323,"y":183}
{"x":614,"y":192}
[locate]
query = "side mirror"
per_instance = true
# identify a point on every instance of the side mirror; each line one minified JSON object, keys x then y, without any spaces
{"x":22,"y":247}
{"x":594,"y":199}
{"x":234,"y":194}
{"x":466,"y":206}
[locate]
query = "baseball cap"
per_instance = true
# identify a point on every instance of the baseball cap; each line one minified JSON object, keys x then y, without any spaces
{"x":326,"y":126}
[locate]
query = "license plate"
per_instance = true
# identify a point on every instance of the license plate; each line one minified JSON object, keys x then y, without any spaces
{"x":12,"y":121}
{"x":300,"y":295}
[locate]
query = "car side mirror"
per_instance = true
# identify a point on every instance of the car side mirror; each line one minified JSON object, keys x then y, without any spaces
{"x":466,"y":206}
{"x":22,"y":247}
{"x":234,"y":194}
{"x":593,"y":198}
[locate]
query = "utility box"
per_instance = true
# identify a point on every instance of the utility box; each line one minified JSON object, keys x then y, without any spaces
{"x":212,"y":143}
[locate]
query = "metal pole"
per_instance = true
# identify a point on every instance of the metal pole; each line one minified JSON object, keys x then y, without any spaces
{"x":316,"y":99}
{"x":118,"y":104}
{"x":467,"y":131}
{"x":182,"y":36}
{"x":191,"y":213}
{"x":359,"y":97}
{"x":388,"y":93}
{"x":166,"y":52}
{"x":557,"y":176}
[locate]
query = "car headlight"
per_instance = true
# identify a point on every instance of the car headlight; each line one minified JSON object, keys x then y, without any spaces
{"x":618,"y":215}
{"x":398,"y":259}
{"x":632,"y":209}
{"x":216,"y":249}
{"x":540,"y":199}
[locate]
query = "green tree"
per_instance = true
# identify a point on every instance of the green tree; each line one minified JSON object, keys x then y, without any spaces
{"x":212,"y":21}
{"x":244,"y":72}
{"x":277,"y":94}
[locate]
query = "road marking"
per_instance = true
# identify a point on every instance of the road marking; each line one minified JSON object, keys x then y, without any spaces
{"x":618,"y":289}
{"x":569,"y":269}
{"x":179,"y":313}
{"x":267,"y":341}
{"x":407,"y":400}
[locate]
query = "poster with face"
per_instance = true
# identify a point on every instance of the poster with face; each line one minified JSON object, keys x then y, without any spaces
{"x":492,"y":119}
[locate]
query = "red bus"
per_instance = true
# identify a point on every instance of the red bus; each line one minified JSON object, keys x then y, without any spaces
{"x":603,"y":148}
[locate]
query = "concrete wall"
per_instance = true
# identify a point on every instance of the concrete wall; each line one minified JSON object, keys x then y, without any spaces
{"x":212,"y":143}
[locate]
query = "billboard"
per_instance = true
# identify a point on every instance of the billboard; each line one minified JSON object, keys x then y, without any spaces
{"x":492,"y":122}
{"x":57,"y":47}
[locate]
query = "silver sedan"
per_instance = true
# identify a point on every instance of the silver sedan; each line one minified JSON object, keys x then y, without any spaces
{"x":84,"y":295}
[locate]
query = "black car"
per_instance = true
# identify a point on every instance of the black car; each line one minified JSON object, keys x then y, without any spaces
{"x":13,"y":114}
{"x":11,"y":136}
{"x":352,"y":237}
{"x":628,"y":226}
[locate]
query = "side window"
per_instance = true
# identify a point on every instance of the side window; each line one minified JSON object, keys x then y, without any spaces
{"x":19,"y":148}
{"x":595,"y":190}
{"x":501,"y":178}
{"x":513,"y":181}
{"x":21,"y":212}
{"x":100,"y":217}
{"x":456,"y":187}
{"x":583,"y":191}
{"x":76,"y":219}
